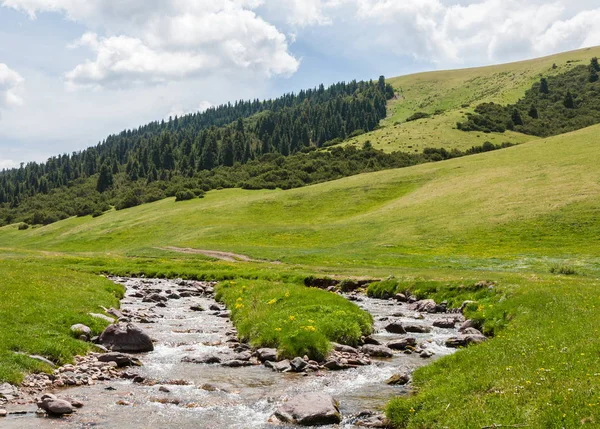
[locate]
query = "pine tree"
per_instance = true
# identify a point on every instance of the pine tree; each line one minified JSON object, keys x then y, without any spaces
{"x":516,"y":117}
{"x":105,"y":179}
{"x":569,"y":103}
{"x":533,"y":112}
{"x":594,"y":64}
{"x":544,"y":86}
{"x":593,"y":75}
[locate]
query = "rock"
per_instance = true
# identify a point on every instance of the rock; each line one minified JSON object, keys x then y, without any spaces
{"x":334,"y":365}
{"x":298,"y":364}
{"x":395,"y":328}
{"x":417,"y":329}
{"x":424,"y":306}
{"x":164,"y":389}
{"x":75,"y":403}
{"x":468,"y":324}
{"x":265,"y":354}
{"x":196,"y":308}
{"x":402,"y":344}
{"x":3,"y":413}
{"x":155,"y":297}
{"x":102,"y":317}
{"x":445,"y":323}
{"x":81,"y":329}
{"x":174,"y":296}
{"x":344,"y":349}
{"x":245,"y":356}
{"x":214,"y":307}
{"x":283,"y":366}
{"x":236,"y":363}
{"x":400,"y":297}
{"x":377,"y":351}
{"x":465,"y":340}
{"x":371,"y":340}
{"x":57,"y":407}
{"x":398,"y":380}
{"x":426,"y":354}
{"x":126,"y":338}
{"x":471,"y":331}
{"x":310,"y":409}
{"x":202,"y":360}
{"x":8,"y":391}
{"x":121,"y":359}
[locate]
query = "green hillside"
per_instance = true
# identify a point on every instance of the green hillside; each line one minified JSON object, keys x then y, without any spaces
{"x":456,"y":92}
{"x":524,"y":218}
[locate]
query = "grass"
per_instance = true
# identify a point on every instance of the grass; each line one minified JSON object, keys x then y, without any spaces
{"x":509,"y":217}
{"x":38,"y":304}
{"x":453,"y":93}
{"x":294,"y":319}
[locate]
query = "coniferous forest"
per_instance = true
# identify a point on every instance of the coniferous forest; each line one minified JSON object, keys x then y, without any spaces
{"x":166,"y":157}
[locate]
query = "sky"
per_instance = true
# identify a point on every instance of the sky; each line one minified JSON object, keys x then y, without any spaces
{"x":74,"y":71}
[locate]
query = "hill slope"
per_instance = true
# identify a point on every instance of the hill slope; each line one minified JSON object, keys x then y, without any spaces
{"x":540,"y":198}
{"x":456,"y":92}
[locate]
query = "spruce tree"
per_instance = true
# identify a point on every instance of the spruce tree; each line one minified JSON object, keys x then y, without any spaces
{"x":533,"y":112}
{"x":516,"y":117}
{"x":569,"y":103}
{"x":105,"y":179}
{"x":544,"y":86}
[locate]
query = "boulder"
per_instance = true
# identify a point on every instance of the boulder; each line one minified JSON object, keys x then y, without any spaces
{"x":465,"y":340}
{"x":468,"y":324}
{"x":155,"y":297}
{"x":377,"y":351}
{"x":402,"y":344}
{"x":121,"y":359}
{"x":211,"y":359}
{"x":343,"y":348}
{"x":236,"y":363}
{"x":417,"y":329}
{"x":283,"y":366}
{"x":266,"y":354}
{"x":400,"y":297}
{"x":56,"y":407}
{"x":298,"y":364}
{"x":398,"y":380}
{"x":395,"y":328}
{"x":445,"y":323}
{"x":8,"y":391}
{"x":334,"y":365}
{"x":471,"y":331}
{"x":371,"y":340}
{"x":196,"y":308}
{"x":126,"y":338}
{"x":424,"y":306}
{"x":310,"y":409}
{"x":80,"y":329}
{"x":426,"y":354}
{"x":3,"y":413}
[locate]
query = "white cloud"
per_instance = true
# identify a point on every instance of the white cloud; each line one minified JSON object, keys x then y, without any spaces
{"x":11,"y":85}
{"x":137,"y":41}
{"x":7,"y":164}
{"x":179,"y":111}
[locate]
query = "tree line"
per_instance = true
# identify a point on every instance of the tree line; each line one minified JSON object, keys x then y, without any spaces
{"x":554,"y":105}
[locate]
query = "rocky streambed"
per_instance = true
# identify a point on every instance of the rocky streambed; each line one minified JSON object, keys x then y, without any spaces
{"x":197,"y":374}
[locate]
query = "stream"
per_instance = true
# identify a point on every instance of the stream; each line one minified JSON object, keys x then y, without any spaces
{"x":223,"y":397}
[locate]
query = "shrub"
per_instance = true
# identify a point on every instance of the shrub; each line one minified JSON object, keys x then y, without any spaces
{"x":23,"y":226}
{"x":418,"y":115}
{"x":184,"y":195}
{"x":566,"y":270}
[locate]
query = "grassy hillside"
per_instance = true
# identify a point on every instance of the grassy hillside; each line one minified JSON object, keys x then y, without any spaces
{"x":456,"y":92}
{"x":537,"y":200}
{"x":520,"y":217}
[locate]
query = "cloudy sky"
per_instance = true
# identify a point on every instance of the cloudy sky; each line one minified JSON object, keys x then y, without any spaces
{"x":74,"y":71}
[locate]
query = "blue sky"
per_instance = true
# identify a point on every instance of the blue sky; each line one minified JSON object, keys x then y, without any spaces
{"x":74,"y":71}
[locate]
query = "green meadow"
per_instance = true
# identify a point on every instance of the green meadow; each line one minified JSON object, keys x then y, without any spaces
{"x":524,"y":218}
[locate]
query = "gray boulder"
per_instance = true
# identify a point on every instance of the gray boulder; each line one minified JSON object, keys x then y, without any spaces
{"x":395,"y":328}
{"x":266,"y":355}
{"x":402,"y":344}
{"x":377,"y":351}
{"x":424,"y":306}
{"x":283,"y":366}
{"x":465,"y":340}
{"x":344,"y":348}
{"x":80,"y":329}
{"x":121,"y":359}
{"x":126,"y":338}
{"x":310,"y":409}
{"x":56,"y":407}
{"x":417,"y":329}
{"x":298,"y":364}
{"x":398,"y":380}
{"x":445,"y":323}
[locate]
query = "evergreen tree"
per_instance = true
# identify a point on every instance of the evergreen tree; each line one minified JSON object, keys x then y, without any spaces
{"x":533,"y":112}
{"x":594,"y":64}
{"x":593,"y":75}
{"x":544,"y":86}
{"x":569,"y":103}
{"x":105,"y":179}
{"x":516,"y":117}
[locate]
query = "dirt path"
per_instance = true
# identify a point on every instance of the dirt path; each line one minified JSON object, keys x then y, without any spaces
{"x":224,"y":256}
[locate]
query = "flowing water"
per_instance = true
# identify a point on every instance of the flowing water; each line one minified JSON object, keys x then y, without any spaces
{"x":221,"y":397}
